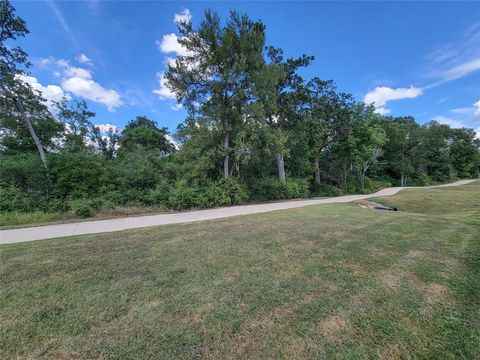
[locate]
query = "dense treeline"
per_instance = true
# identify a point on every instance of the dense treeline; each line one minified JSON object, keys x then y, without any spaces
{"x":256,"y":130}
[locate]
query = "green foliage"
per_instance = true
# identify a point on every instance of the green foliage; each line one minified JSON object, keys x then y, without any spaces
{"x":160,"y":194}
{"x":298,"y":188}
{"x":212,"y":194}
{"x":272,"y":189}
{"x":77,"y":175}
{"x":252,"y":120}
{"x":235,"y":191}
{"x":82,"y":208}
{"x":328,"y":190}
{"x":13,"y":198}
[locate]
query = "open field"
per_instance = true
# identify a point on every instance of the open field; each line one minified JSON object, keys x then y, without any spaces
{"x":329,"y":281}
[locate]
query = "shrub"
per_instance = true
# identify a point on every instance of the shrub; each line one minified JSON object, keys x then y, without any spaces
{"x":236,"y":191}
{"x":14,"y":199}
{"x":375,"y":185}
{"x":57,"y":205}
{"x":77,"y":175}
{"x":297,"y":188}
{"x":273,"y":189}
{"x":184,"y":197}
{"x":212,"y":194}
{"x":269,"y":189}
{"x":328,"y":190}
{"x":423,"y":180}
{"x":160,"y":194}
{"x":85,"y":207}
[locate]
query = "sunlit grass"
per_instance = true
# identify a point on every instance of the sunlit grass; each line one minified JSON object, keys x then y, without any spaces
{"x":331,"y":281}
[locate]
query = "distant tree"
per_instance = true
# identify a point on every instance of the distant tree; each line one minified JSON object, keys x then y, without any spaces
{"x":464,"y":152}
{"x":76,"y":118}
{"x":143,"y":133}
{"x":370,"y":138}
{"x":106,"y":142}
{"x":327,"y":117}
{"x":276,"y":87}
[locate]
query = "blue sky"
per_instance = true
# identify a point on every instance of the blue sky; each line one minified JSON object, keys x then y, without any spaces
{"x":420,"y":59}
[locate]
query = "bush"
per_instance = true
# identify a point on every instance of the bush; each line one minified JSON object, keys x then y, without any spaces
{"x":236,"y":191}
{"x":423,"y":180}
{"x":184,"y":197}
{"x":212,"y":194}
{"x":328,"y":190}
{"x":15,"y":199}
{"x":85,"y":207}
{"x":273,"y":189}
{"x":297,"y":188}
{"x":160,"y":194}
{"x":375,"y":185}
{"x":77,"y":175}
{"x":57,"y":205}
{"x":269,"y":189}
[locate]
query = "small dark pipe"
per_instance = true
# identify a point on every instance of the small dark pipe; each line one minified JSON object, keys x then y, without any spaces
{"x":386,"y":208}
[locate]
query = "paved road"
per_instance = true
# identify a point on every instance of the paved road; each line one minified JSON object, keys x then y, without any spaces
{"x":101,"y":226}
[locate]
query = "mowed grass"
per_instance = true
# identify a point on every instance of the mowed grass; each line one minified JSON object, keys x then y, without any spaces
{"x":331,"y":281}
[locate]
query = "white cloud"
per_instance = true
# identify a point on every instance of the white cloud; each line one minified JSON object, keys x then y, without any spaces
{"x":84,"y":59}
{"x":478,"y":133}
{"x":93,"y":91}
{"x":104,"y":128}
{"x":462,"y":111}
{"x":453,"y":123}
{"x":383,"y":94}
{"x":460,"y":70}
{"x":184,"y":16}
{"x":456,"y":59}
{"x":50,"y":92}
{"x":176,"y":107}
{"x":170,"y":44}
{"x":79,"y":81}
{"x":473,"y":112}
{"x":163,"y":91}
{"x":476,"y":114}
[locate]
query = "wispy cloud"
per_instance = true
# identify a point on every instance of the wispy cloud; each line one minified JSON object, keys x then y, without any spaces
{"x":456,"y":59}
{"x":61,"y":19}
{"x":453,"y":123}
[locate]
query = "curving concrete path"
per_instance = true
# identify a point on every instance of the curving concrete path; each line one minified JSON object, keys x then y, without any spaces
{"x":101,"y":226}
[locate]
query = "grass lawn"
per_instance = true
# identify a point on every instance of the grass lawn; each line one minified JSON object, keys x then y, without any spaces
{"x":329,"y":281}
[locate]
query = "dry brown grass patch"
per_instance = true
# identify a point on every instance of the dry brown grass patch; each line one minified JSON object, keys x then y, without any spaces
{"x":389,"y":280}
{"x":435,"y":293}
{"x":333,"y":327}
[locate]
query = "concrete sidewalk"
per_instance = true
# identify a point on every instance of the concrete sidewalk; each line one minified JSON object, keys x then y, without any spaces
{"x":101,"y":226}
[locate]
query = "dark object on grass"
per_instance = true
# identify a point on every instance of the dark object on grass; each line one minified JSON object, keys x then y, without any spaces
{"x":387,"y":208}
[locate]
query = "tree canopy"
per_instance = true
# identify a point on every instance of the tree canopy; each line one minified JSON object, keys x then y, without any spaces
{"x":255,"y":130}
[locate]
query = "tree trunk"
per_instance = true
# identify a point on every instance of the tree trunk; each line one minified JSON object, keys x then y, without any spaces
{"x":226,"y":158}
{"x":281,"y":168}
{"x":402,"y":181}
{"x":362,"y":179}
{"x":30,"y":128}
{"x":317,"y":171}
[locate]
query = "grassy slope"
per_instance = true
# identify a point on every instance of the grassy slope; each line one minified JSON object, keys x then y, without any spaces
{"x":334,"y":281}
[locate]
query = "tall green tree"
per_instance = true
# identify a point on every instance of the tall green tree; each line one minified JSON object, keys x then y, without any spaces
{"x":17,"y":99}
{"x":214,"y":77}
